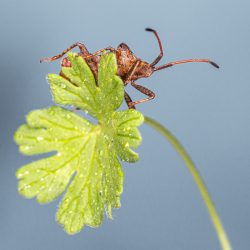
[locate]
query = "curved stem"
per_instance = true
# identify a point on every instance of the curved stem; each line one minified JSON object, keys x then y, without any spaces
{"x":222,"y":236}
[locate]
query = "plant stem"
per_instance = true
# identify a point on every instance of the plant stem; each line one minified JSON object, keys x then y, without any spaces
{"x":221,"y":234}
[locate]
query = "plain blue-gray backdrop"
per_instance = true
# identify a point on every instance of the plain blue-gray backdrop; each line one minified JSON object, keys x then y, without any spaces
{"x":206,"y":108}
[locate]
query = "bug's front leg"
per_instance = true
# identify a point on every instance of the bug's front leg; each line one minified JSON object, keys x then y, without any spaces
{"x":131,"y":72}
{"x":81,"y":46}
{"x":145,"y":91}
{"x":128,"y":99}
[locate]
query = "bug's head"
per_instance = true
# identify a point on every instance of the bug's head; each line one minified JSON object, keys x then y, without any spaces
{"x":129,"y":64}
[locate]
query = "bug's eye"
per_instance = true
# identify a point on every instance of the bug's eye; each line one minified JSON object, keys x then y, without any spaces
{"x":124,"y":46}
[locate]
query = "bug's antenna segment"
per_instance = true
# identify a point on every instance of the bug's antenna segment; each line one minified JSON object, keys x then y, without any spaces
{"x":158,"y":58}
{"x":185,"y":61}
{"x":214,"y":64}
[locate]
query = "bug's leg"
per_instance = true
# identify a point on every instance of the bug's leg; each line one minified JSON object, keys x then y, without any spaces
{"x":81,"y":46}
{"x":159,"y":57}
{"x":185,"y":61}
{"x":145,"y":91}
{"x":128,"y":100}
{"x":111,"y":49}
{"x":131,"y":72}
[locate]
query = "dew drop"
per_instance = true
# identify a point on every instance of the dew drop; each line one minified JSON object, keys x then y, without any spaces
{"x":27,"y":148}
{"x":68,"y":116}
{"x":27,"y":187}
{"x":63,"y":86}
{"x":40,"y":138}
{"x":19,"y":175}
{"x":126,"y":144}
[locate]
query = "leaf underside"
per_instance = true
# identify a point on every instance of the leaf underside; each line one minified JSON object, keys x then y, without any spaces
{"x":85,"y":155}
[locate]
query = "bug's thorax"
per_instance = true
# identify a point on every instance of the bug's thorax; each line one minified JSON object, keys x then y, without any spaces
{"x":130,"y":67}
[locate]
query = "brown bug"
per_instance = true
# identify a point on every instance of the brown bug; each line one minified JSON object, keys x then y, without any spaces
{"x":130,"y":67}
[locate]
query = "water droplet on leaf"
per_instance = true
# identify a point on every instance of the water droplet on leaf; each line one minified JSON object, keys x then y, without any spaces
{"x":19,"y":175}
{"x":27,"y":148}
{"x":26,"y":187}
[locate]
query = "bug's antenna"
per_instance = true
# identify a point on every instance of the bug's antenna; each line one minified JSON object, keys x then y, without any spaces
{"x":186,"y":61}
{"x":158,"y":58}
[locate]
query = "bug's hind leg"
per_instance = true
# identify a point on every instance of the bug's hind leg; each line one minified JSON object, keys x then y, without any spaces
{"x":145,"y":91}
{"x":81,"y":46}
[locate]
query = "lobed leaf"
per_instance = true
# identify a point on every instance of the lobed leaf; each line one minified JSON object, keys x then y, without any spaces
{"x":81,"y":149}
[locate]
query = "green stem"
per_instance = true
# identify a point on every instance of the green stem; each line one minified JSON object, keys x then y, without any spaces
{"x":222,"y":236}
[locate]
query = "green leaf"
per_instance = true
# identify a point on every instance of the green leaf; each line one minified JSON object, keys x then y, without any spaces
{"x":111,"y":86}
{"x":85,"y":155}
{"x":81,"y":89}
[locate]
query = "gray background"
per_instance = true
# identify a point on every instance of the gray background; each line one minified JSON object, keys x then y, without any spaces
{"x":207,"y":109}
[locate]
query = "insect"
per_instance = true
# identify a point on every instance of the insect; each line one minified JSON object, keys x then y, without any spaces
{"x":130,"y":67}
